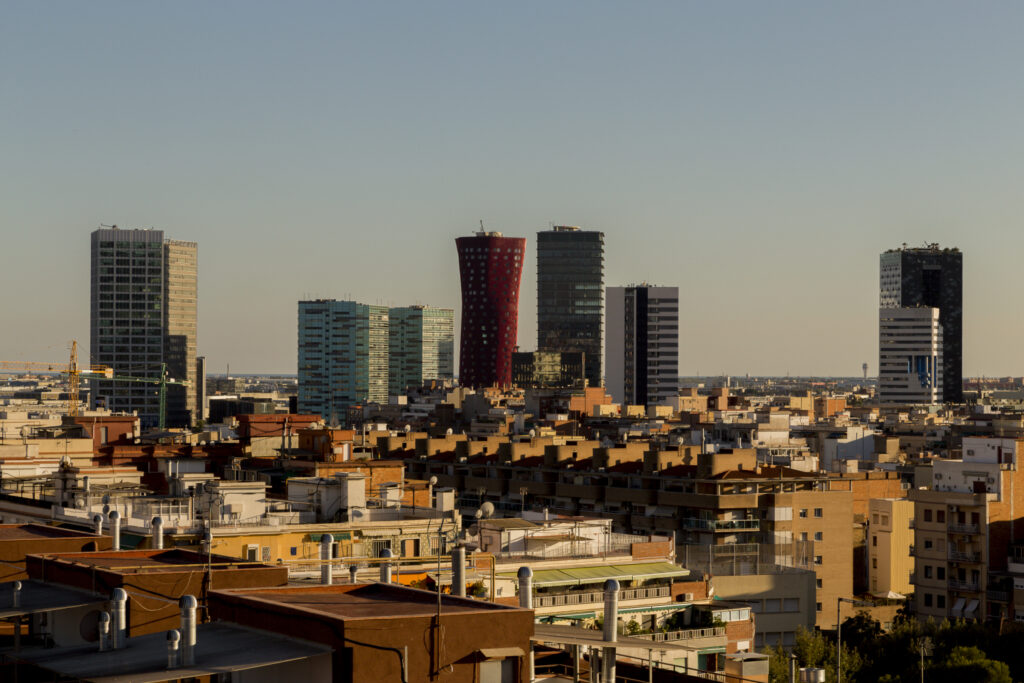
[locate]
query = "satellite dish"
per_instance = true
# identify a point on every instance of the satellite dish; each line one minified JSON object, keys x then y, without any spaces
{"x":449,"y":432}
{"x":680,"y":441}
{"x":478,"y":514}
{"x":533,"y":433}
{"x":408,"y":429}
{"x":433,"y":481}
{"x":487,"y":508}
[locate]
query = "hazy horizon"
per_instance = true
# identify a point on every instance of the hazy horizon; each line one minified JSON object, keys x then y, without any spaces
{"x":758,"y":156}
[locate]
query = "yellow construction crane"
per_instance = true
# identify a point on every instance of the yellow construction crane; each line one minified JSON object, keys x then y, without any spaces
{"x":70,"y":369}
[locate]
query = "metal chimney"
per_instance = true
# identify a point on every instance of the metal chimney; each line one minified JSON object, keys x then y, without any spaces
{"x":16,"y":594}
{"x":173,"y":642}
{"x":459,"y":571}
{"x":115,"y":529}
{"x":525,"y":575}
{"x":385,"y":566}
{"x":188,"y":630}
{"x":326,"y":570}
{"x":353,"y":572}
{"x":611,"y":628}
{"x":104,"y":629}
{"x":118,"y":605}
{"x":158,"y":533}
{"x":97,"y":521}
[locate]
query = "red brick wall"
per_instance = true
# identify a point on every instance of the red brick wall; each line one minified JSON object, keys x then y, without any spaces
{"x":650,"y":549}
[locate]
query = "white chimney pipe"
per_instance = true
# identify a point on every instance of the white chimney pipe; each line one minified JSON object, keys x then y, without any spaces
{"x":353,"y":571}
{"x":115,"y":529}
{"x":326,"y":570}
{"x":16,"y":594}
{"x":459,"y":571}
{"x":525,"y":575}
{"x":188,"y":630}
{"x":97,"y":521}
{"x":118,"y":631}
{"x":611,"y":628}
{"x":385,"y":567}
{"x":173,"y":642}
{"x":104,"y":629}
{"x":158,"y":533}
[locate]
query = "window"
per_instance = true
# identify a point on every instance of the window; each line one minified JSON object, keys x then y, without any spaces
{"x":874,"y":541}
{"x":874,"y":563}
{"x":772,"y":605}
{"x":940,"y":572}
{"x":940,"y":516}
{"x":927,"y":571}
{"x":927,"y":599}
{"x":817,"y":583}
{"x":803,"y":512}
{"x":817,"y":512}
{"x":928,"y":544}
{"x":817,"y":559}
{"x":817,"y":606}
{"x":940,"y":601}
{"x":817,"y":535}
{"x":791,"y":605}
{"x":927,"y":514}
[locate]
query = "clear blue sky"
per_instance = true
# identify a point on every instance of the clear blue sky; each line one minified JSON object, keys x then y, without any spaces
{"x":758,"y":155}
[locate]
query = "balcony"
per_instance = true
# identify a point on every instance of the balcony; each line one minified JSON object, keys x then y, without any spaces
{"x":959,"y":585}
{"x":960,"y":556}
{"x":998,"y":596}
{"x":592,"y":597}
{"x":696,"y":524}
{"x":963,"y":528}
{"x":688,"y":634}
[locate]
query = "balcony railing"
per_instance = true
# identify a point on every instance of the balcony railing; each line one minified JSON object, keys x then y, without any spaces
{"x":688,"y":634}
{"x":998,"y":596}
{"x":961,"y":556}
{"x":721,"y":524}
{"x":958,"y":585}
{"x":963,"y":528}
{"x":590,"y":597}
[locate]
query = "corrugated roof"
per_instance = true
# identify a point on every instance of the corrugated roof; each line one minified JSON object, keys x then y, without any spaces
{"x":579,"y":576}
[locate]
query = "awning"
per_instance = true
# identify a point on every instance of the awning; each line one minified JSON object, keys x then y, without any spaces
{"x":972,"y":607}
{"x":958,"y":608}
{"x":500,"y":652}
{"x":580,"y":576}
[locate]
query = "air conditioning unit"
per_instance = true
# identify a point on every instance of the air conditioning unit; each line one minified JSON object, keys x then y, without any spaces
{"x":954,"y":508}
{"x":688,"y":597}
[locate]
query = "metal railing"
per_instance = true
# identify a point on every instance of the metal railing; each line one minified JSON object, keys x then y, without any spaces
{"x":589,"y":597}
{"x":963,"y":528}
{"x":688,"y":634}
{"x":961,"y":556}
{"x":721,"y":524}
{"x":957,"y":584}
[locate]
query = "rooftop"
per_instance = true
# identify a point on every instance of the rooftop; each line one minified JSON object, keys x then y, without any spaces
{"x":364,"y":601}
{"x":34,"y":532}
{"x":150,"y":561}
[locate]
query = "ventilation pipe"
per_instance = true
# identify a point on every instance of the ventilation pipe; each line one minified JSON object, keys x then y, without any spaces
{"x":611,"y":628}
{"x":173,"y":642}
{"x":188,"y":630}
{"x":352,"y":572}
{"x":97,"y":521}
{"x":115,"y":529}
{"x":459,"y":571}
{"x":525,"y":575}
{"x":118,"y":604}
{"x":326,"y":570}
{"x":385,"y":566}
{"x":104,"y":629}
{"x":158,"y":533}
{"x":16,"y":594}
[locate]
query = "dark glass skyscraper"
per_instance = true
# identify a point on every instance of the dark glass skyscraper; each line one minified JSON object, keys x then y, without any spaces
{"x":570,"y":295}
{"x":933,"y":277}
{"x":491,"y":267}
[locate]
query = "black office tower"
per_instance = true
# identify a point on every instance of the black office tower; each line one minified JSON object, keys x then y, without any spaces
{"x":570,"y":295}
{"x":934,"y":277}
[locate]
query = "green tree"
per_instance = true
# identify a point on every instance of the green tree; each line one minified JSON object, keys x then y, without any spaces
{"x":970,"y":664}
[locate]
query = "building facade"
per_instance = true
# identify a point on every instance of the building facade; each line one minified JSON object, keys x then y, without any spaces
{"x":931,"y":277}
{"x":143,"y":304}
{"x":910,"y":362}
{"x":422,"y":346}
{"x":491,"y":267}
{"x":642,"y":344}
{"x":548,"y":369}
{"x":570,"y":295}
{"x":342,"y":356}
{"x":890,"y":540}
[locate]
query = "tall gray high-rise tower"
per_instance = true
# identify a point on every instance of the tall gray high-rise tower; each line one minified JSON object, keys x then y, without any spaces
{"x":143,"y":305}
{"x":570,"y":295}
{"x":931,"y":277}
{"x":643,"y":344}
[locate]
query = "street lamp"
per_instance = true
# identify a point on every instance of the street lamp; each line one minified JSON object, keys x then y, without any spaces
{"x":926,"y":647}
{"x":839,"y":633}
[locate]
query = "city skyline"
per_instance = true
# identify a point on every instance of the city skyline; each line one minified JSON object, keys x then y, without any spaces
{"x":722,"y":150}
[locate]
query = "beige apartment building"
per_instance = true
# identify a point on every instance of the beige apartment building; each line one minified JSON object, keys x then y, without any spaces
{"x":890,"y":541}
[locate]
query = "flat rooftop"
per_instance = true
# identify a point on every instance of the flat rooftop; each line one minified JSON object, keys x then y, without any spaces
{"x":220,"y":648}
{"x":364,"y":601}
{"x":151,"y":561}
{"x":37,"y":597}
{"x":35,"y":532}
